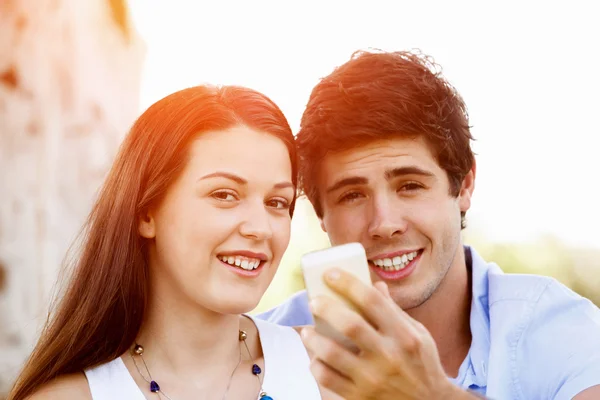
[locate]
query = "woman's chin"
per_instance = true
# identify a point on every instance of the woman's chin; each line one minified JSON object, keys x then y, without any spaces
{"x":236,"y":306}
{"x":226,"y":299}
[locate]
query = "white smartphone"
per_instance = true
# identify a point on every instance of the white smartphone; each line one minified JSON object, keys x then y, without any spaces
{"x":350,"y":257}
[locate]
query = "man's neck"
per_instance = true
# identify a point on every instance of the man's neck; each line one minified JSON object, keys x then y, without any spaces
{"x":446,"y":315}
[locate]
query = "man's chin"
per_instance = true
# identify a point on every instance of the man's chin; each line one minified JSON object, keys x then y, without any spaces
{"x":407,"y":302}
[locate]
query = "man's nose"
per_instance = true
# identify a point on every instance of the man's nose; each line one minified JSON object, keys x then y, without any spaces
{"x":386,"y":220}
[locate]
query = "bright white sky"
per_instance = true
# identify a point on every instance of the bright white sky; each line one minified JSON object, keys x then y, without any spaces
{"x":528,"y":72}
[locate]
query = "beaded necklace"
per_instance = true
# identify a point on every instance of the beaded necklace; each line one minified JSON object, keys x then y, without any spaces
{"x":138,"y":350}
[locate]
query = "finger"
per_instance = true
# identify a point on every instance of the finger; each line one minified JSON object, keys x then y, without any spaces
{"x":383,"y":288}
{"x":378,"y":309}
{"x":327,"y":394}
{"x":311,"y":355}
{"x":330,"y":380}
{"x":345,"y":321}
{"x":299,"y":328}
{"x":331,"y":353}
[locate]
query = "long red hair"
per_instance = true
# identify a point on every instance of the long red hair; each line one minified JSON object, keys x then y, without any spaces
{"x":99,"y":316}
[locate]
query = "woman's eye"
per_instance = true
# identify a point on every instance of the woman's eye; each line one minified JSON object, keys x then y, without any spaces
{"x":224,"y":195}
{"x":278,"y":203}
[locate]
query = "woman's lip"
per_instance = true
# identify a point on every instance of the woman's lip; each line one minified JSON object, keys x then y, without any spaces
{"x":244,"y":272}
{"x":245,"y":253}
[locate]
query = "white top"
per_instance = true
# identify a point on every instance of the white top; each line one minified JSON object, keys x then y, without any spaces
{"x":286,"y":376}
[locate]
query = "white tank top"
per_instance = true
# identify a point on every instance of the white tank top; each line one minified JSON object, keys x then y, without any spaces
{"x":286,"y":377}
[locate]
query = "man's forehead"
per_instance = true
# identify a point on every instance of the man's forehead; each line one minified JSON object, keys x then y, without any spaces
{"x":379,"y":154}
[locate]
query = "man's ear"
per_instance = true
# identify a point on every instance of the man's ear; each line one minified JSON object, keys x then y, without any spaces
{"x":467,"y":188}
{"x":146,"y":225}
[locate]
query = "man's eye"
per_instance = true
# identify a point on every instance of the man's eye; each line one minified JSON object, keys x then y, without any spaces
{"x":350,"y":197}
{"x":410,"y":187}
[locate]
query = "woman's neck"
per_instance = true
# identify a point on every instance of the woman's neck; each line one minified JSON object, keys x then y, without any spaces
{"x":187,"y":339}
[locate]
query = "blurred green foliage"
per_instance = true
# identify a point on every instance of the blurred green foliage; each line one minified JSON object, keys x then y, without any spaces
{"x":577,"y":268}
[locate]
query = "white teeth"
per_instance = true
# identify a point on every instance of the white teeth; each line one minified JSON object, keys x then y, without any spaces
{"x":397,"y":263}
{"x":243,"y":262}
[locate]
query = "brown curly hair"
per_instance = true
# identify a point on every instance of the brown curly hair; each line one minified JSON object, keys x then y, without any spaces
{"x":379,"y":95}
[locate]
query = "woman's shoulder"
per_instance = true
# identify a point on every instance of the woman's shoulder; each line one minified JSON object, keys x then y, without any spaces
{"x":287,"y":363}
{"x":281,"y":340}
{"x":71,"y":386}
{"x":268,"y":328}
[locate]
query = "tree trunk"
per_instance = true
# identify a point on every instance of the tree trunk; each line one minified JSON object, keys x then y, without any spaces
{"x":69,"y":90}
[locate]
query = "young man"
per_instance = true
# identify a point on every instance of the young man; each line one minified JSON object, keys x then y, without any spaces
{"x":386,"y":161}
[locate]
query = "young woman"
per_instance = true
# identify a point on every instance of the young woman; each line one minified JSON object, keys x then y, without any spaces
{"x":185,"y":237}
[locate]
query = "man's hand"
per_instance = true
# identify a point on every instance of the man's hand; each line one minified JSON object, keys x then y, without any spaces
{"x":398,"y":358}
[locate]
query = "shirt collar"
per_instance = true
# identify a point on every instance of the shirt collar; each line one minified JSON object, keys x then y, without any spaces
{"x":480,"y":318}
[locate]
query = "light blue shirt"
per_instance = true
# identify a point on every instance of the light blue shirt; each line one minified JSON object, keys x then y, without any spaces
{"x":532,"y":337}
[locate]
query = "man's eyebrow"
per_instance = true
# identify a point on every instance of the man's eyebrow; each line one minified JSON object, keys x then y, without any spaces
{"x":352,"y":180}
{"x":227,"y":175}
{"x":408,"y":170}
{"x":389,"y":174}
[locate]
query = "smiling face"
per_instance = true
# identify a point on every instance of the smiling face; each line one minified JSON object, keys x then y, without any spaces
{"x":217,"y":237}
{"x":393,"y":197}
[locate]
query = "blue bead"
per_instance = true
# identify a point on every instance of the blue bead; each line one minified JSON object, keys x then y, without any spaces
{"x":154,"y":387}
{"x":256,"y":370}
{"x":265,"y":397}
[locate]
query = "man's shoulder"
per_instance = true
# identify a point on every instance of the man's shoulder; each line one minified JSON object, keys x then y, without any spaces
{"x":551,"y":334}
{"x":293,"y":312}
{"x":559,"y":307}
{"x":492,"y":285}
{"x":527,"y":288}
{"x":562,"y":341}
{"x":538,"y":301}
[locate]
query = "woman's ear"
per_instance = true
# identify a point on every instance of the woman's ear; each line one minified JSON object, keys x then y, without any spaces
{"x":146,"y":225}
